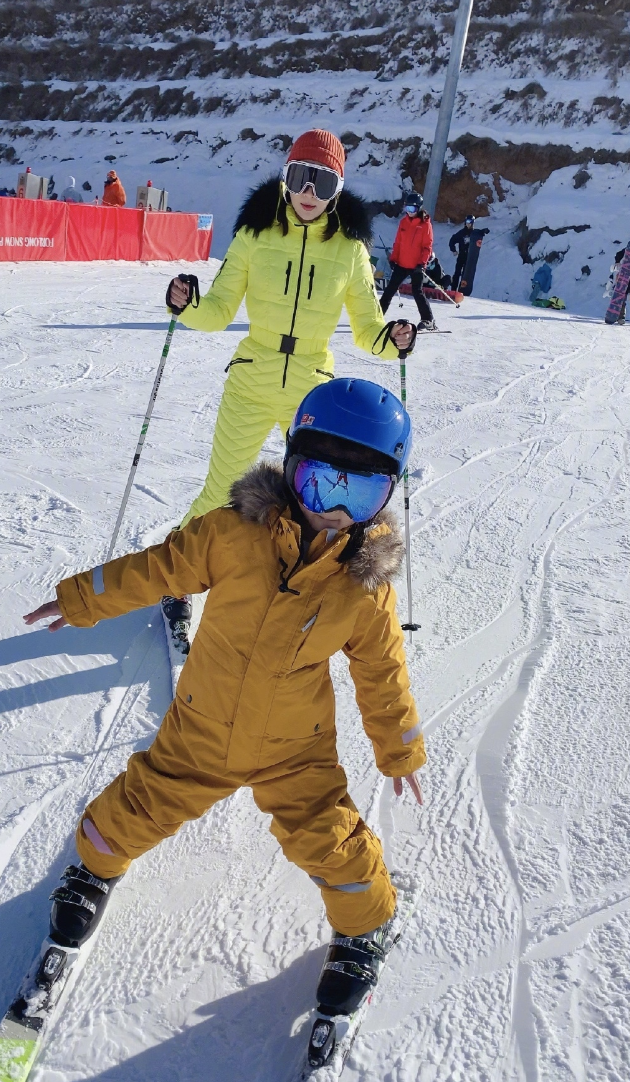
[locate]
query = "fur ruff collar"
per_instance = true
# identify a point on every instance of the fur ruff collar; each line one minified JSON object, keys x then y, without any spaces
{"x":263,"y":490}
{"x":260,"y":207}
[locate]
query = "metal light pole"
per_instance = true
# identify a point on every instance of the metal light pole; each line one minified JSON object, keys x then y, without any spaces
{"x":443,"y":125}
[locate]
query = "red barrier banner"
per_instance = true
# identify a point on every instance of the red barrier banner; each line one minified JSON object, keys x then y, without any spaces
{"x":103,"y":232}
{"x":176,"y":236}
{"x":32,"y":229}
{"x":42,"y":229}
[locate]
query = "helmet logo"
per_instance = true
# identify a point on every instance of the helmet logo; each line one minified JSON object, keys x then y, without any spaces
{"x":307,"y":419}
{"x":399,"y":449}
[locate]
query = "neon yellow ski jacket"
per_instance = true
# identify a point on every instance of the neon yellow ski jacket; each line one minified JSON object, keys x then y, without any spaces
{"x":295,"y":287}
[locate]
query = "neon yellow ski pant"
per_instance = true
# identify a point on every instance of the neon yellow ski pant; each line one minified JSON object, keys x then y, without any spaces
{"x":253,"y":401}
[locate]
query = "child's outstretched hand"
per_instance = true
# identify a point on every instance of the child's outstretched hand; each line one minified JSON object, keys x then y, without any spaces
{"x":413,"y":783}
{"x":44,"y":612}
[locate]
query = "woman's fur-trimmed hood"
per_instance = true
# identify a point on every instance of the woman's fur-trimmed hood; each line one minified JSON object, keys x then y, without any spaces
{"x":259,"y":211}
{"x":263,"y":490}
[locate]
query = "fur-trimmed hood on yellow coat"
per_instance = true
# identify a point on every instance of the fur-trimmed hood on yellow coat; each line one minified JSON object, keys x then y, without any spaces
{"x":259,"y":661}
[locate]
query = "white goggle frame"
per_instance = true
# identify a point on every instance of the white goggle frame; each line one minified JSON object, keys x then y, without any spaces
{"x":309,"y":184}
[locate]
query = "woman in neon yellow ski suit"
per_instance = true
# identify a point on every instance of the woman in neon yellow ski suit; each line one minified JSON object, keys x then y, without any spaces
{"x":295,"y":275}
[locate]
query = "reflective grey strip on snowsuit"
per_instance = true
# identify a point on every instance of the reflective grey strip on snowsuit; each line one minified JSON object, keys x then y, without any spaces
{"x":348,"y":888}
{"x":98,"y":585}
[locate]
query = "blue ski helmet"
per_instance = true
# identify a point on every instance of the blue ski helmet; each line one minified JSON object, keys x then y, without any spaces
{"x":357,"y":410}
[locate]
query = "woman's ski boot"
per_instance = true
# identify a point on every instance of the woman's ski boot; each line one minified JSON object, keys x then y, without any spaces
{"x":78,"y":905}
{"x":349,"y":975}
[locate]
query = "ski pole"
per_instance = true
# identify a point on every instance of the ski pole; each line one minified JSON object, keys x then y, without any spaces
{"x":143,"y":432}
{"x":192,"y":280}
{"x":410,"y":626}
{"x":434,"y":285}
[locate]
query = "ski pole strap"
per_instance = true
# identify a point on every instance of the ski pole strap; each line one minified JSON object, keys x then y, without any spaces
{"x":385,"y":335}
{"x":193,"y":296}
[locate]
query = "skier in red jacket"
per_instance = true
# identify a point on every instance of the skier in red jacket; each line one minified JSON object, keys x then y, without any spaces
{"x":411,"y":253}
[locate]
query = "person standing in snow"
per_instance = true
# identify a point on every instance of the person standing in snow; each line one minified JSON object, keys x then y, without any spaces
{"x":70,"y":193}
{"x":296,"y":571}
{"x":411,"y":253}
{"x":299,"y":254}
{"x":113,"y":193}
{"x":459,"y":244}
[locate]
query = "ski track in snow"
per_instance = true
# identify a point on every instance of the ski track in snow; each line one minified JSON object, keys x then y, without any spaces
{"x":516,"y":967}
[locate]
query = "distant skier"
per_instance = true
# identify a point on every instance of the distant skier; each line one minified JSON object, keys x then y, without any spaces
{"x":541,"y":281}
{"x":113,"y":193}
{"x":435,"y":272}
{"x":459,"y":245}
{"x":70,"y":194}
{"x":289,"y":587}
{"x":409,"y":256}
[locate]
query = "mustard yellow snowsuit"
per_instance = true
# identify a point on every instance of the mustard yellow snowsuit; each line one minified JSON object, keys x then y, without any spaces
{"x":295,"y":286}
{"x":255,"y":703}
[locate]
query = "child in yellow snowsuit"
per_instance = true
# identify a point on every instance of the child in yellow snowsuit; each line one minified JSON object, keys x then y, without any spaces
{"x":299,"y":566}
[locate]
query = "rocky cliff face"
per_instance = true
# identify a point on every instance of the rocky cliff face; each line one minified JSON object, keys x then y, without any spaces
{"x":93,"y":46}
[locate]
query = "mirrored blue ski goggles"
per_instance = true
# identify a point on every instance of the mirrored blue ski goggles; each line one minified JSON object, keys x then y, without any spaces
{"x":323,"y":488}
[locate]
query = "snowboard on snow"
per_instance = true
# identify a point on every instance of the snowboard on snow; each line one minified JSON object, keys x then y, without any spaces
{"x":619,"y":289}
{"x":338,"y":1033}
{"x":468,"y":277}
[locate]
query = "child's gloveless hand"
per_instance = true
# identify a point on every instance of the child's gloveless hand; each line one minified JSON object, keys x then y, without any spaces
{"x":413,"y":783}
{"x":44,"y":612}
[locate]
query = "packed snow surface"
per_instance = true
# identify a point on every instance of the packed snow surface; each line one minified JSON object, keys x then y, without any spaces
{"x":516,"y":967}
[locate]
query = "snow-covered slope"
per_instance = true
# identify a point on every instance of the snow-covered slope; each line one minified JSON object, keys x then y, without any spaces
{"x":517,"y":966}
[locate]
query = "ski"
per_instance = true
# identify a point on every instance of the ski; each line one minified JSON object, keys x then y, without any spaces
{"x":619,"y":290}
{"x":332,"y":1038}
{"x":436,"y":331}
{"x":28,"y":1021}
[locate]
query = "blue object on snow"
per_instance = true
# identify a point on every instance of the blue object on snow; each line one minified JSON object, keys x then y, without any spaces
{"x":544,"y":277}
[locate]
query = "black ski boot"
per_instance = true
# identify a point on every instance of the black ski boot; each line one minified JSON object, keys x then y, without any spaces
{"x":349,"y":975}
{"x":427,"y":325}
{"x":78,"y":906}
{"x":178,"y":613}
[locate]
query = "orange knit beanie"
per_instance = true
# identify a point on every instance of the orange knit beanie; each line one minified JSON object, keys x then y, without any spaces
{"x":321,"y":147}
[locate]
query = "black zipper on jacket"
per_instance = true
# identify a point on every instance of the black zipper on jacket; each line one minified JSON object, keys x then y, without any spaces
{"x":288,"y":274}
{"x":310,"y":281}
{"x":239,"y":360}
{"x":295,"y":305}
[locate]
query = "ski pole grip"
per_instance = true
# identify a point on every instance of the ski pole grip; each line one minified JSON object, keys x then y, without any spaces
{"x":190,"y":280}
{"x":404,"y":353}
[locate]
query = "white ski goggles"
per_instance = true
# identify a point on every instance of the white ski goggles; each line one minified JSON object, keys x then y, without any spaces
{"x":325,"y":182}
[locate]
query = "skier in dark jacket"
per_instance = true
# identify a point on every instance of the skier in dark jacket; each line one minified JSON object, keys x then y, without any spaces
{"x":411,"y":253}
{"x":435,"y":272}
{"x":459,"y":245}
